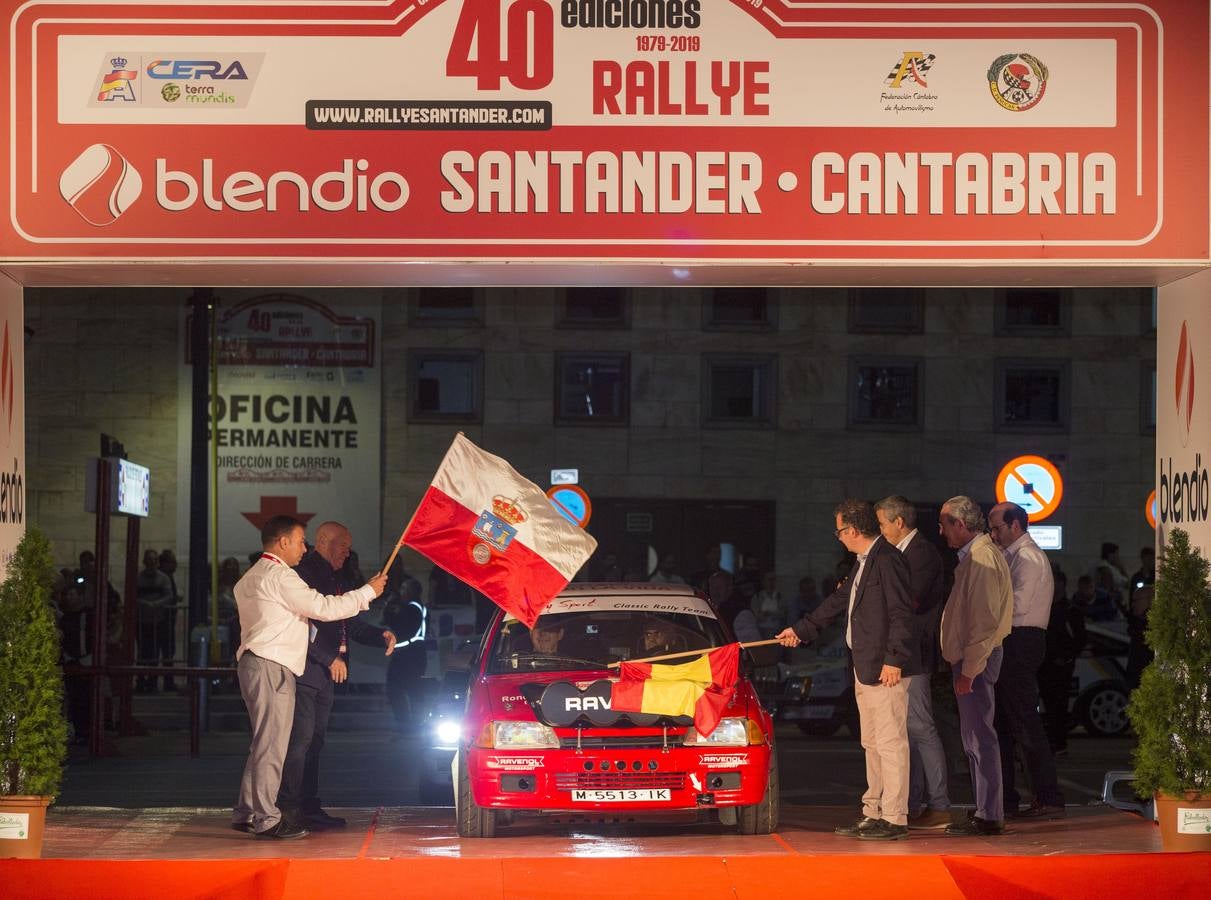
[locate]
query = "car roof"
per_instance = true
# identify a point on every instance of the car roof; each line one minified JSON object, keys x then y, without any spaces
{"x":630,"y":596}
{"x":624,"y":588}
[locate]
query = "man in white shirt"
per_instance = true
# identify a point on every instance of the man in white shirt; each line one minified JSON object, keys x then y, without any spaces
{"x":1017,"y":690}
{"x":274,"y":606}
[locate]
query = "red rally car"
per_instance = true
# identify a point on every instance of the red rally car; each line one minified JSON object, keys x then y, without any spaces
{"x":539,"y":734}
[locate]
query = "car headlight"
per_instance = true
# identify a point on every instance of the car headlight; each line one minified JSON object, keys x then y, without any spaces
{"x":447,"y":732}
{"x":519,"y":736}
{"x":730,"y":732}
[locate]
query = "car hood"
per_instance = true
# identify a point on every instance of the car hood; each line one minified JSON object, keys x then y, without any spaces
{"x":517,"y":696}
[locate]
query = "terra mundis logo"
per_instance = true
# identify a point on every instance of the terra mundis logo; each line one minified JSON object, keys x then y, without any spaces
{"x":912,"y":66}
{"x":1017,"y":81}
{"x":171,"y":92}
{"x":100,"y":184}
{"x":119,"y":83}
{"x":1184,"y":386}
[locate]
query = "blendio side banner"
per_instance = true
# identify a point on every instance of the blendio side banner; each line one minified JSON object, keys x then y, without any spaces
{"x":299,"y":412}
{"x":12,"y":421}
{"x":699,"y":130}
{"x":1183,"y":414}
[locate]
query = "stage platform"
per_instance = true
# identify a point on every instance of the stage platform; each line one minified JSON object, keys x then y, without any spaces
{"x":187,"y":853}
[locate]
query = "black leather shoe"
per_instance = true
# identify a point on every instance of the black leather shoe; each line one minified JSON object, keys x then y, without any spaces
{"x":321,"y":819}
{"x":283,"y":831}
{"x":856,"y":828}
{"x":883,"y":830}
{"x":975,"y":827}
{"x":1039,"y":811}
{"x":245,"y":827}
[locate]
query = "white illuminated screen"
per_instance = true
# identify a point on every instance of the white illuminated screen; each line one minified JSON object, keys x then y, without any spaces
{"x":1048,"y":537}
{"x":134,"y":488}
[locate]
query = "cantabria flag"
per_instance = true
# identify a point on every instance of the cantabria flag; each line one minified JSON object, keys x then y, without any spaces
{"x":702,"y":688}
{"x":487,"y":525}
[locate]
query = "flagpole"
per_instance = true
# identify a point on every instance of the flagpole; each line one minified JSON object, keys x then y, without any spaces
{"x":648,"y":659}
{"x":395,"y":550}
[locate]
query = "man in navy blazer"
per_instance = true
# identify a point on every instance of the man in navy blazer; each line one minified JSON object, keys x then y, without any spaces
{"x":327,"y":664}
{"x":928,"y":796}
{"x":879,"y":632}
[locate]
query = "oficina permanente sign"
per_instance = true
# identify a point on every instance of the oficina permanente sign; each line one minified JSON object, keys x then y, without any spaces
{"x":767,"y":131}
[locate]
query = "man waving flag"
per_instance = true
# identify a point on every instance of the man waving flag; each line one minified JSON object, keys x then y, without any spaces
{"x":487,"y":525}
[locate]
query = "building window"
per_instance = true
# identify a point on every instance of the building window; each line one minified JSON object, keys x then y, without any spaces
{"x":444,"y":306}
{"x":1039,"y":311}
{"x":738,"y":390}
{"x":594,"y":307}
{"x":1148,"y":397}
{"x":592,"y":389}
{"x":738,"y":309}
{"x":886,"y":310}
{"x":885,"y":392}
{"x":1032,"y":394}
{"x":446,"y":386}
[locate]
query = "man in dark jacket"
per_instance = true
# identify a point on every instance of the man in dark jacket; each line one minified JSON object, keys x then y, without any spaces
{"x":327,"y":664}
{"x":879,"y":632}
{"x":928,"y":797}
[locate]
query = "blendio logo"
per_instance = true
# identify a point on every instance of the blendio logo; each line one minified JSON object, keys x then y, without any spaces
{"x":629,"y":14}
{"x":12,"y":496}
{"x":1184,"y":496}
{"x":245,"y":191}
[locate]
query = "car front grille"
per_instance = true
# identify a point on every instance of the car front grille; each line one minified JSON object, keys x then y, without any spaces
{"x":604,"y":781}
{"x":619,"y":742}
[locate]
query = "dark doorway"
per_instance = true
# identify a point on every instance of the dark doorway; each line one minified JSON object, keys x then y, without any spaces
{"x":633,"y":534}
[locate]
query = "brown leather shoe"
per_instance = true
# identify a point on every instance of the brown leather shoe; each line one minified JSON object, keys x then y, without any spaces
{"x":930,"y":818}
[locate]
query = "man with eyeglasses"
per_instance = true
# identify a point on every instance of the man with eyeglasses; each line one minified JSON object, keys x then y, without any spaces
{"x":975,"y":621}
{"x":879,"y":632}
{"x":1017,"y":690}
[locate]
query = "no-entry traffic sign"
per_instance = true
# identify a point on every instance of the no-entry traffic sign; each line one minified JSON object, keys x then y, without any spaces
{"x":1033,"y":483}
{"x":571,"y":502}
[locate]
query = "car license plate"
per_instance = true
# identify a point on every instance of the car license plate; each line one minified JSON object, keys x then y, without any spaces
{"x":621,"y":796}
{"x":808,"y":712}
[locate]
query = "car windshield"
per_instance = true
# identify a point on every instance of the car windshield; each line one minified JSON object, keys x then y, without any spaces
{"x":592,"y":640}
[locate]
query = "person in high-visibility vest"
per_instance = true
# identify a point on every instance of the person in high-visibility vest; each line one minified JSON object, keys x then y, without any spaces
{"x":407,"y":616}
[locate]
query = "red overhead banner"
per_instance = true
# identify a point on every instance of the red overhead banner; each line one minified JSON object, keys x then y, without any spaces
{"x":747,"y":131}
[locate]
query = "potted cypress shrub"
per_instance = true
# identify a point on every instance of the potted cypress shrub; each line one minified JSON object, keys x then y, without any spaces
{"x":33,"y":732}
{"x":1171,"y":709}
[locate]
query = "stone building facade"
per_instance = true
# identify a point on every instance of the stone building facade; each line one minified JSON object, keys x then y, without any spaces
{"x":925,"y":393}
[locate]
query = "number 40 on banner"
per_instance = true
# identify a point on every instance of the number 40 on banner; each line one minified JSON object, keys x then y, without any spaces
{"x":529,"y":32}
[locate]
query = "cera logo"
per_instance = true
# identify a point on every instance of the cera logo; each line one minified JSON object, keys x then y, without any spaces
{"x":1184,"y":386}
{"x":7,"y":388}
{"x":184,"y":69}
{"x":100,"y":185}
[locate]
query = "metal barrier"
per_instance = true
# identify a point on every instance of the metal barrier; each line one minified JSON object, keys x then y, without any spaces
{"x":1146,"y":808}
{"x":198,"y":677}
